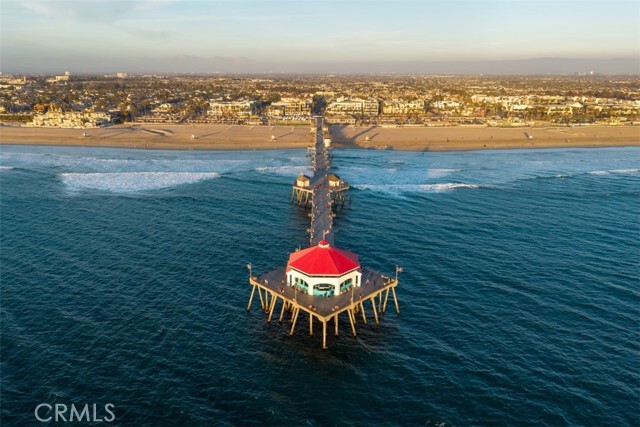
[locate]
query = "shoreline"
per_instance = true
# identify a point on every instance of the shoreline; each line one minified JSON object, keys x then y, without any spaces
{"x":244,"y":137}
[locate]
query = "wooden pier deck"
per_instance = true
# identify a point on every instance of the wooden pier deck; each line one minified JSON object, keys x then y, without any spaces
{"x":375,"y":290}
{"x":321,"y":209}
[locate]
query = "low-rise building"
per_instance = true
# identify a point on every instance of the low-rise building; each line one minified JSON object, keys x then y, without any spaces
{"x":232,"y":108}
{"x":354,"y":107}
{"x":71,"y":119}
{"x":290,"y":107}
{"x":396,"y":108}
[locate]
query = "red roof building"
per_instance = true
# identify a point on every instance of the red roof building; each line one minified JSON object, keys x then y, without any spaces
{"x":323,"y":270}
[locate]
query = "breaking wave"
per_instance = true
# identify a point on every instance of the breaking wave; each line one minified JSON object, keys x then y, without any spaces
{"x":290,"y":171}
{"x":407,"y":188}
{"x":439,"y":173}
{"x":6,"y":168}
{"x":608,"y":172}
{"x":443,"y":188}
{"x":127,"y":182}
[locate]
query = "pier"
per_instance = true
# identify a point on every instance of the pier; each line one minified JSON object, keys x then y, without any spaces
{"x":323,"y":281}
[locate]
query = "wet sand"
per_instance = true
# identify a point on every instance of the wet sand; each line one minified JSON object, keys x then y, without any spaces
{"x":238,"y":137}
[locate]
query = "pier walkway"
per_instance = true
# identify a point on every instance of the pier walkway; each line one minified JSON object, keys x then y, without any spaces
{"x":321,"y":204}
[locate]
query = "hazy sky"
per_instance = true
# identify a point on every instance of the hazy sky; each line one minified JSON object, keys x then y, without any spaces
{"x":48,"y":34}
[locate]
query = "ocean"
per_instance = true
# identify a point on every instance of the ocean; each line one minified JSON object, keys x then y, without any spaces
{"x":124,"y":281}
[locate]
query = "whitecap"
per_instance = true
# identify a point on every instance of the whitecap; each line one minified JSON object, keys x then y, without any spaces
{"x":393,"y":189}
{"x":405,"y":188}
{"x":126,"y":182}
{"x":439,"y":173}
{"x":290,"y":171}
{"x":624,"y":171}
{"x":6,"y":168}
{"x":607,"y":172}
{"x":442,"y":188}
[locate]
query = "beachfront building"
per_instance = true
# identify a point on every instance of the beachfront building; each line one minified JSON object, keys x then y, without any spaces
{"x":323,"y":270}
{"x":71,"y":119}
{"x":290,"y":108}
{"x":232,"y":108}
{"x":399,"y":108}
{"x":363,"y":107}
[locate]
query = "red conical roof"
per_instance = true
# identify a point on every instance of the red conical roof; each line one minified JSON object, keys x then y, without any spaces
{"x":323,"y":260}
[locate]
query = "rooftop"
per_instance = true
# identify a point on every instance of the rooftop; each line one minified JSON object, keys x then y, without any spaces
{"x":323,"y":260}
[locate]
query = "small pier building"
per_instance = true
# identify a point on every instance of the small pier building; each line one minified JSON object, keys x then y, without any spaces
{"x":323,"y":270}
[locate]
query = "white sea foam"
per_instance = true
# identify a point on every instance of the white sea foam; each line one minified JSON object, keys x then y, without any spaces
{"x":625,"y":171}
{"x":607,"y":172}
{"x":290,"y":171}
{"x":439,"y":173}
{"x":408,"y":188}
{"x":137,"y":162}
{"x":125,"y":182}
{"x":442,"y":188}
{"x":6,"y":168}
{"x":388,"y":188}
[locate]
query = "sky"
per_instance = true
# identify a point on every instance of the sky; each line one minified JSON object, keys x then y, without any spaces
{"x":304,"y":35}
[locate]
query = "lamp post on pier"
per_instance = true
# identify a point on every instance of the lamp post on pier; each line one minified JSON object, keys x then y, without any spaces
{"x":398,"y":270}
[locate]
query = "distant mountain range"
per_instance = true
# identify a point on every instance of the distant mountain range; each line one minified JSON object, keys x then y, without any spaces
{"x":218,"y":64}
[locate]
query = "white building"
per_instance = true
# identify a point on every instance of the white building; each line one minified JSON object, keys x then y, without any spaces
{"x":71,"y":119}
{"x":323,"y":270}
{"x":290,"y":107}
{"x":354,"y":106}
{"x":232,"y":108}
{"x":303,"y":181}
{"x":403,"y":107}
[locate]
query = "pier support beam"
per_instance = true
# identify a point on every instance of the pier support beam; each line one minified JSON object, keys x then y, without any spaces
{"x":253,"y":291}
{"x":296,"y":311}
{"x":395,"y":299}
{"x":274,"y":300}
{"x":386,"y":298}
{"x":335,"y":322}
{"x":324,"y":334}
{"x":375,"y":313}
{"x":364,"y":316}
{"x":352,"y":321}
{"x":310,"y":324}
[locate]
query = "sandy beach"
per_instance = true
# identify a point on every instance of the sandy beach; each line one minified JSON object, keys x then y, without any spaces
{"x":237,"y":137}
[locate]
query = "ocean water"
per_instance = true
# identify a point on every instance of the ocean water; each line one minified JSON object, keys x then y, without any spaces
{"x":123,"y":281}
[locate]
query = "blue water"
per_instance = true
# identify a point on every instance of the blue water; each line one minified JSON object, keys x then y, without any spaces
{"x":123,"y":281}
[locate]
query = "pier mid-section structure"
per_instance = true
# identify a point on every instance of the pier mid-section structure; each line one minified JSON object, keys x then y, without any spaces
{"x":322,"y":280}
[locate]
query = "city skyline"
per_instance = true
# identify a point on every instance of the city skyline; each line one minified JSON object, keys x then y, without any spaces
{"x":353,"y":36}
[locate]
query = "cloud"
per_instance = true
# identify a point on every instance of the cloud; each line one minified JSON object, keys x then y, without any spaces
{"x":103,"y":11}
